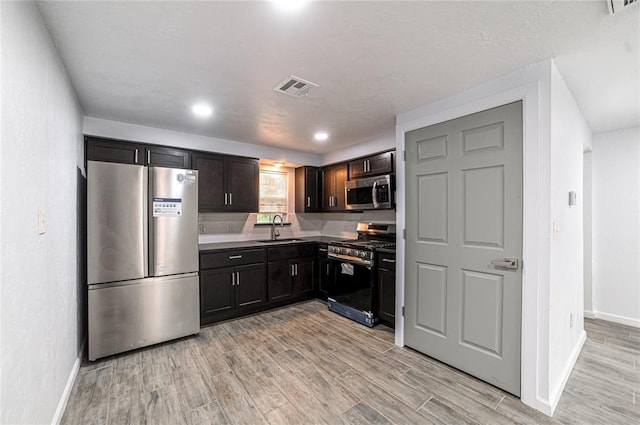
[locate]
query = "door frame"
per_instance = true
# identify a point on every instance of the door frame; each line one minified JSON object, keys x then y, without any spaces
{"x":533,"y":89}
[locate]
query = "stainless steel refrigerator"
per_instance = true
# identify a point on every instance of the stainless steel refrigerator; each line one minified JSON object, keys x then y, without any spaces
{"x":142,"y":256}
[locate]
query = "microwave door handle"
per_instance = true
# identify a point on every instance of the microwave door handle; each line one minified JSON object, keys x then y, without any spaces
{"x":374,"y":194}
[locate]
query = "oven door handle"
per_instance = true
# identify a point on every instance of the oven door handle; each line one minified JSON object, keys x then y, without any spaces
{"x":374,"y":194}
{"x":342,"y":258}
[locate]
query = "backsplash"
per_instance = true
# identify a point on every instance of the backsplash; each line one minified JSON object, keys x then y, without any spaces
{"x":226,"y":227}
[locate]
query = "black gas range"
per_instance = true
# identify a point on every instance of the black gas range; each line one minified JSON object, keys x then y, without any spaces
{"x":353,"y":293}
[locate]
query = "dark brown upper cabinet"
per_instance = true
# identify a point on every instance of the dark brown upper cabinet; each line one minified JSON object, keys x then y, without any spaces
{"x":109,"y":150}
{"x":308,"y":189}
{"x":227,"y":183}
{"x":161,"y":156}
{"x":333,"y":194}
{"x":374,"y":165}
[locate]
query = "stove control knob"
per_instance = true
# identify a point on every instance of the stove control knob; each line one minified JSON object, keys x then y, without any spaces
{"x":363,"y":254}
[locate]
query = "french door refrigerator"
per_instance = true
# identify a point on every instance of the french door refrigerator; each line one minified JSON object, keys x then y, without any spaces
{"x":142,"y":256}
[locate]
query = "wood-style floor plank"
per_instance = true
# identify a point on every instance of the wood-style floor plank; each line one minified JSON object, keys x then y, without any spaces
{"x":303,"y":364}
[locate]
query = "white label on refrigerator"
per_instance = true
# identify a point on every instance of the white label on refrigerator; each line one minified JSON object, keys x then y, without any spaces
{"x":167,"y":207}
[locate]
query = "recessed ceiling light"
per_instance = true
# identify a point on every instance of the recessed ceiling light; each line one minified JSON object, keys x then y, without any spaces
{"x":321,"y":136}
{"x":290,"y":5}
{"x":202,"y":110}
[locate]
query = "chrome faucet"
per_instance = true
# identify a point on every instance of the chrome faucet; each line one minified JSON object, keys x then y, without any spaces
{"x":275,"y":233}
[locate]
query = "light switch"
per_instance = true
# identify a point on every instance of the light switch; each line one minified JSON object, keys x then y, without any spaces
{"x":42,"y":220}
{"x":572,"y":198}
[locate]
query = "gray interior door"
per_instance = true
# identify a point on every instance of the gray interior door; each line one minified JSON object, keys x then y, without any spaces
{"x":463,"y":278}
{"x":173,"y":214}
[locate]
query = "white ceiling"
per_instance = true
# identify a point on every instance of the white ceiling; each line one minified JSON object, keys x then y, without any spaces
{"x":148,"y":62}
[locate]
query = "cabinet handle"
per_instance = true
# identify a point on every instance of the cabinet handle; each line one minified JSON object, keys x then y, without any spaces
{"x":225,"y":198}
{"x":296,"y":269}
{"x":230,"y":198}
{"x":386,"y":260}
{"x":135,"y":156}
{"x":327,"y":269}
{"x":237,"y":278}
{"x":323,"y":249}
{"x":235,"y":257}
{"x":148,"y":157}
{"x":308,"y":201}
{"x":233,"y":279}
{"x":292,"y":271}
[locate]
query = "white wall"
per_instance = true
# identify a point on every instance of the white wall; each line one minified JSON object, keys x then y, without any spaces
{"x":570,"y":133}
{"x":587,"y":208}
{"x":544,"y":161}
{"x":41,"y":153}
{"x":616,"y":226}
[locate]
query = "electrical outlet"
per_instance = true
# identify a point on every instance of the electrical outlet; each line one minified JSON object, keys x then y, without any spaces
{"x":203,"y":228}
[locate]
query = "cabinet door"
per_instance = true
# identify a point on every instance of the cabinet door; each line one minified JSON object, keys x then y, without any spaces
{"x":303,"y":279}
{"x":217,"y":294}
{"x":328,"y":189}
{"x":251,"y":285}
{"x":308,"y":189}
{"x":279,"y":280}
{"x":357,"y":168}
{"x":340,"y":180}
{"x":380,"y":164}
{"x":167,"y":157}
{"x":211,"y":174}
{"x":243,"y":184}
{"x":325,"y":277}
{"x":387,"y":296}
{"x":108,"y":150}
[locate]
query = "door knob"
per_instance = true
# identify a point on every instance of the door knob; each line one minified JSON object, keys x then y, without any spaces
{"x":507,"y":263}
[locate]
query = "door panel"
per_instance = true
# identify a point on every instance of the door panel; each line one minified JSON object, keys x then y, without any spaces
{"x":251,"y":285}
{"x":212,"y":174}
{"x":217,"y":293}
{"x":464,"y":209}
{"x":173,"y":217}
{"x":116,"y":222}
{"x":279,"y":280}
{"x":243,"y":184}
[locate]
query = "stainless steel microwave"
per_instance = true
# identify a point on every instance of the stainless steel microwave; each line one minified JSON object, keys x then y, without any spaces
{"x":372,"y":193}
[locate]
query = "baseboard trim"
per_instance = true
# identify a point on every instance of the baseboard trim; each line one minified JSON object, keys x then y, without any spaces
{"x":62,"y":404}
{"x":589,"y":314}
{"x":623,"y":320}
{"x":556,"y":393}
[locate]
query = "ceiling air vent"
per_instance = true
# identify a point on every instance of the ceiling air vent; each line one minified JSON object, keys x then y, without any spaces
{"x":295,"y":86}
{"x":617,"y":6}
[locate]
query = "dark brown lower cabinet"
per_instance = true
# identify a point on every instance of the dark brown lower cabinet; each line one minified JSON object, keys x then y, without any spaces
{"x":231,"y":291}
{"x":290,"y":278}
{"x":387,"y":289}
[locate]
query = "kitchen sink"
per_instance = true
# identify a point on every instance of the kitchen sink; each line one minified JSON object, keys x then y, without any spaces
{"x":280,"y":240}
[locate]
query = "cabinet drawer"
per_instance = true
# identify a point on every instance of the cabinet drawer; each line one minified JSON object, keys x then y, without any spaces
{"x":386,"y":260}
{"x":211,"y":260}
{"x":291,"y":251}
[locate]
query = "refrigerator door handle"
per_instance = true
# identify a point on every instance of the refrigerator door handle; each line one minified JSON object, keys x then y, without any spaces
{"x":146,"y":251}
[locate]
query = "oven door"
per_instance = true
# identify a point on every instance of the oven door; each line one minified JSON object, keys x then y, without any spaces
{"x":353,"y":286}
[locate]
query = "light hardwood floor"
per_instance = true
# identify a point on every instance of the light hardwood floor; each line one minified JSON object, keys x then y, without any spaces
{"x":304,"y":365}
